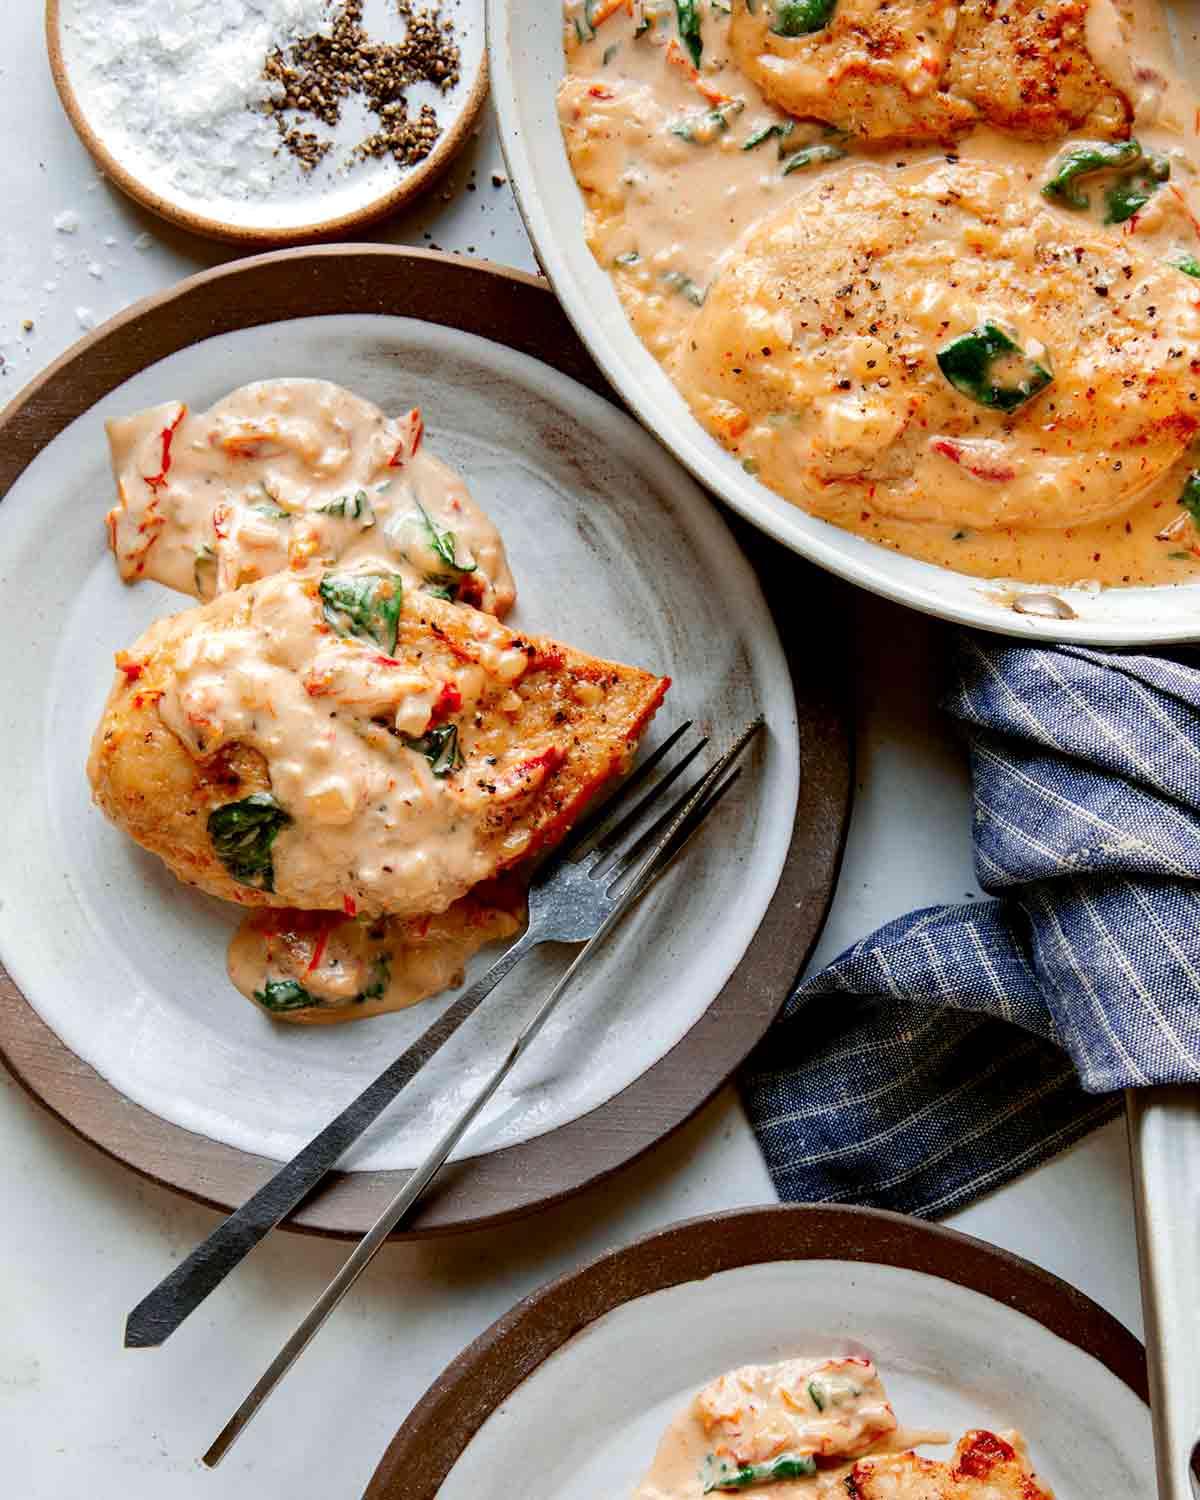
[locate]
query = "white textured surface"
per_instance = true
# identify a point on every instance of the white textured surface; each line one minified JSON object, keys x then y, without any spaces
{"x":82,"y":1240}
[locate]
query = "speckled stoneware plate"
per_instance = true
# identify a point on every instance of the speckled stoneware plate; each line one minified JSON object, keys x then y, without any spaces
{"x":333,"y":201}
{"x":965,"y":1336}
{"x":614,"y":548}
{"x":526,"y":60}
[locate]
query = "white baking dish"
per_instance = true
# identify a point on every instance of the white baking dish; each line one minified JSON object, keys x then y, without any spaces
{"x":526,"y":59}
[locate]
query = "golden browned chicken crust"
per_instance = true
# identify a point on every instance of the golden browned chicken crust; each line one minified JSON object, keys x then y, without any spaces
{"x":877,"y":70}
{"x":530,"y":761}
{"x":816,"y":354}
{"x":1025,"y":65}
{"x":898,"y":71}
{"x":984,"y":1467}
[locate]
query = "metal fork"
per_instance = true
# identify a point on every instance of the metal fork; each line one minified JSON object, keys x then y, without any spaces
{"x":586,"y":901}
{"x":565,"y":905}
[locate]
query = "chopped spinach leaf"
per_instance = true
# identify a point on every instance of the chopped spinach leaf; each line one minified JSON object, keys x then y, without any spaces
{"x":272,"y":511}
{"x":364,"y":604}
{"x":1125,"y":197}
{"x":685,"y":286}
{"x":629,"y":258}
{"x":1189,"y":496}
{"x":609,"y":53}
{"x":822,"y":151}
{"x":242,"y":834}
{"x":720,"y":1474}
{"x":832,"y":1390}
{"x":439,"y":587}
{"x":1188,"y":264}
{"x":356,"y":507}
{"x":1131,"y":192}
{"x":377,"y":983}
{"x":442,"y":543}
{"x":584,"y":29}
{"x":687,"y":14}
{"x":1084,"y":159}
{"x":703,"y":129}
{"x":283,"y":995}
{"x":781,"y":129}
{"x":440,"y":748}
{"x":802,"y":17}
{"x":991,"y":368}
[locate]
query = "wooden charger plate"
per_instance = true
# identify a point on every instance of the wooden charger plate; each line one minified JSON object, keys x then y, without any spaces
{"x":260,"y":227}
{"x":966,"y":1335}
{"x":519,"y":312}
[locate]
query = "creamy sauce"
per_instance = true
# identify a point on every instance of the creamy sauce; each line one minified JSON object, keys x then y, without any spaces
{"x":281,"y":477}
{"x":380,"y":821}
{"x":315,"y":968}
{"x":676,"y":192}
{"x":830,"y":1410}
{"x":288,"y":474}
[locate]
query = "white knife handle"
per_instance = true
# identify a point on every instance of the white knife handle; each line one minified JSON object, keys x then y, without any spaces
{"x":1164,"y":1140}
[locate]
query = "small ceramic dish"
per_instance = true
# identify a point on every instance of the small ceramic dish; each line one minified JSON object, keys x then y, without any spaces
{"x":333,"y":202}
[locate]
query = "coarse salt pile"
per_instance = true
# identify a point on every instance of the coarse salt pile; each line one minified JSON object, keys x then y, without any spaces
{"x":176,"y":87}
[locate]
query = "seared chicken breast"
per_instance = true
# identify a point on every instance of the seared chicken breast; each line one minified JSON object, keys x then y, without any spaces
{"x":330,"y":741}
{"x":984,"y":1467}
{"x":874,"y":69}
{"x":944,"y":345}
{"x":895,"y":71}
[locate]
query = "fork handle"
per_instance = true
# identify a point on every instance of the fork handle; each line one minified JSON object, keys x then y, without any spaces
{"x":161,"y":1312}
{"x":1164,"y":1139}
{"x":373,"y":1241}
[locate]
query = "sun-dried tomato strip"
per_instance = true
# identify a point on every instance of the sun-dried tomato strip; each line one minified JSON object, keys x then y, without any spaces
{"x":156,"y":481}
{"x":411,"y":441}
{"x":973,"y":465}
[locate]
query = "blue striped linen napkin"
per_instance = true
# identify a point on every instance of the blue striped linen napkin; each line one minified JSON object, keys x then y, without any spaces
{"x":961,"y":1045}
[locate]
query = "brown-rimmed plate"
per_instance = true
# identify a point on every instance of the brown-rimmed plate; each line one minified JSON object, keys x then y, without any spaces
{"x":332,"y":201}
{"x":571,"y":1390}
{"x":504,"y":386}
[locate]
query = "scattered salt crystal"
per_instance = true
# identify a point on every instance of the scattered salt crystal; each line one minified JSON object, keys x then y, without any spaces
{"x":50,"y":286}
{"x":85,"y":317}
{"x":110,"y":240}
{"x":143,"y":242}
{"x":66,"y":222}
{"x":95,"y":269}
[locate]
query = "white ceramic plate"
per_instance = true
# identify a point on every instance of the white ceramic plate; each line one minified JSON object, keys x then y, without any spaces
{"x":614,"y":549}
{"x":329,"y":202}
{"x":965,"y":1336}
{"x":526,"y":60}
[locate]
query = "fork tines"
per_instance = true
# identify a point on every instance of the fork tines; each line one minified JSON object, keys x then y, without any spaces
{"x":669,"y":832}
